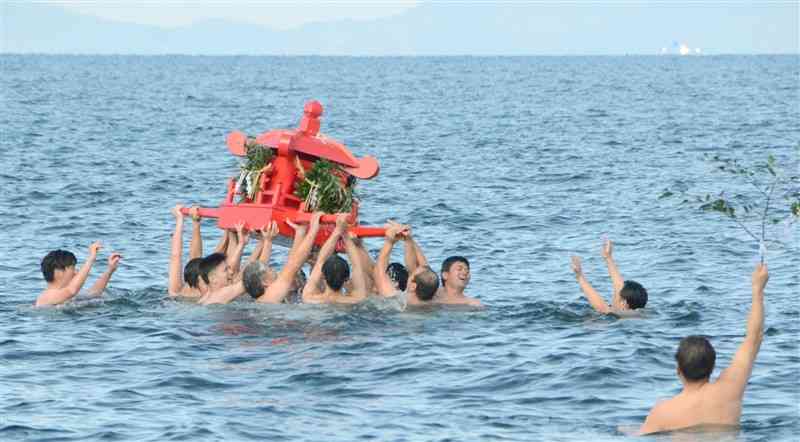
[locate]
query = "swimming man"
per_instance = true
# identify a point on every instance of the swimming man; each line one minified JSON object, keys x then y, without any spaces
{"x":703,"y":402}
{"x":628,"y":295}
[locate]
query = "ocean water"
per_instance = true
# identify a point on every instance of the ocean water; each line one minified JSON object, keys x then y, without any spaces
{"x":516,"y":163}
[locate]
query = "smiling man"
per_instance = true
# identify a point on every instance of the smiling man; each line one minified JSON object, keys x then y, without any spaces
{"x":455,"y":278}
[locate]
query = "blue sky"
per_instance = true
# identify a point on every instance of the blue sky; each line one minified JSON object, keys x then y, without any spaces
{"x":399,"y":27}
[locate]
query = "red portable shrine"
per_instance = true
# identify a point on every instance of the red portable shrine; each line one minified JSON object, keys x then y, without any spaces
{"x":294,"y":153}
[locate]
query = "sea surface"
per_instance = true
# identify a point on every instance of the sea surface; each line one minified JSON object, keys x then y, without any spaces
{"x":515,"y":162}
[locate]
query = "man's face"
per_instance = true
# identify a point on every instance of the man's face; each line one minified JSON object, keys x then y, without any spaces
{"x":458,"y":275}
{"x":220,"y":276}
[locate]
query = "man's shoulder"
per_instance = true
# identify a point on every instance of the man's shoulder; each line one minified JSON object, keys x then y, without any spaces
{"x":45,"y":298}
{"x":313,"y":298}
{"x":462,"y":300}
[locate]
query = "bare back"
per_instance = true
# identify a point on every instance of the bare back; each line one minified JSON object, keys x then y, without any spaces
{"x":712,"y":404}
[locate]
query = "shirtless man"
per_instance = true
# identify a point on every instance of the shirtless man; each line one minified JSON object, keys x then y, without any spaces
{"x":64,"y":283}
{"x":422,"y":280}
{"x":455,"y":277}
{"x":336,"y":271}
{"x":190,"y":285}
{"x":256,"y":275}
{"x":628,"y":295}
{"x":712,"y":403}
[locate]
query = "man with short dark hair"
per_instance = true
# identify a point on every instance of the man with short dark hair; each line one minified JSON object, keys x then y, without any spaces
{"x":628,"y":295}
{"x":703,"y":402}
{"x":192,"y":284}
{"x":422,"y":282}
{"x":64,"y":283}
{"x":260,"y":284}
{"x":335,"y":271}
{"x":455,"y":278}
{"x":398,"y":274}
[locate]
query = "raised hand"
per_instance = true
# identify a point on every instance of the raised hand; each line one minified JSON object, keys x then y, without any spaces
{"x":195,"y":213}
{"x":94,"y":248}
{"x":270,"y":231}
{"x":176,"y":211}
{"x":113,"y":262}
{"x":576,"y":266}
{"x":760,"y":277}
{"x":299,"y":229}
{"x":403,"y":230}
{"x":608,"y":247}
{"x":315,"y":217}
{"x":341,"y":222}
{"x":242,"y":233}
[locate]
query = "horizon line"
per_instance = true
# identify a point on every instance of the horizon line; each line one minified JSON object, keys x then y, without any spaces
{"x":390,"y":55}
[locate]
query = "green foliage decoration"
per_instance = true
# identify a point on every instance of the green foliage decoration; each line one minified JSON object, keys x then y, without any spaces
{"x":322,"y":188}
{"x":775,"y":196}
{"x":258,"y":157}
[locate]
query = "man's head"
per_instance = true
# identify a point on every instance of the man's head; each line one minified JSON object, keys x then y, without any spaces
{"x":336,"y":271}
{"x":633,"y":294}
{"x":256,"y":277}
{"x":696,"y":358}
{"x":299,"y":281}
{"x":214,"y":271}
{"x":423,"y":283}
{"x":398,"y":275}
{"x":455,"y":272}
{"x":58,"y":264}
{"x":191,"y":273}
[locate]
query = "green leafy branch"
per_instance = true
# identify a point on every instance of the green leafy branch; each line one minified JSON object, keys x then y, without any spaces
{"x":322,"y":188}
{"x":766,"y":179}
{"x":257,"y":162}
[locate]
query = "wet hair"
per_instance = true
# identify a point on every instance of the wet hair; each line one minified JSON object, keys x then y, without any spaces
{"x":191,"y":272}
{"x":696,"y":358}
{"x":634,"y":294}
{"x":253,"y":278}
{"x":397,"y":273}
{"x":56,"y":260}
{"x":209,"y":263}
{"x":295,"y":296}
{"x":300,"y":280}
{"x":336,"y":271}
{"x":427,"y":284}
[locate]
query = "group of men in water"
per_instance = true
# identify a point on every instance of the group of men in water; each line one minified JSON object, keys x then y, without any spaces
{"x":701,"y":403}
{"x":218,"y":279}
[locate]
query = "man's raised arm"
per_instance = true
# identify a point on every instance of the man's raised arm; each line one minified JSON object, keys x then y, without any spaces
{"x":311,"y":288}
{"x":100,"y":285}
{"x":359,"y":278}
{"x":222,"y":245}
{"x":175,"y":283}
{"x":283,"y":283}
{"x":613,"y":272}
{"x":382,"y":283}
{"x":196,"y":243}
{"x":737,"y":374}
{"x":367,"y":264}
{"x":597,"y":301}
{"x":264,"y":250}
{"x":235,"y":258}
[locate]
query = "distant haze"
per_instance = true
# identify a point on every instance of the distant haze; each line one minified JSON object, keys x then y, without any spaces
{"x":400,"y":28}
